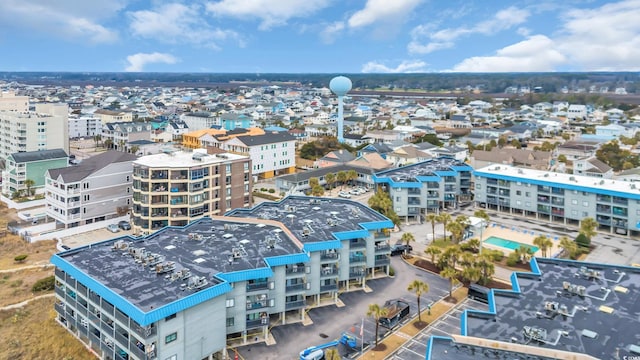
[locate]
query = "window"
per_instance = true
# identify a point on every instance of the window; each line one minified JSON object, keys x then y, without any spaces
{"x":230,"y":322}
{"x":172,"y":357}
{"x":518,"y":202}
{"x":230,"y":303}
{"x":574,"y":212}
{"x":478,"y":186}
{"x":518,"y":192}
{"x":172,"y":316}
{"x":527,"y":204}
{"x":585,"y":203}
{"x":585,"y":214}
{"x":527,"y":194}
{"x":574,"y":202}
{"x":127,"y":178}
{"x":171,"y":338}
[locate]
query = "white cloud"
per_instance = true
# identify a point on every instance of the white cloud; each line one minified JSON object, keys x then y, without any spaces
{"x":137,"y":62}
{"x":382,"y":10}
{"x":537,"y":53}
{"x":331,"y":31}
{"x":271,"y":13}
{"x":603,"y":38}
{"x":178,"y":23}
{"x":68,"y":19}
{"x":445,"y":38}
{"x":406,"y":66}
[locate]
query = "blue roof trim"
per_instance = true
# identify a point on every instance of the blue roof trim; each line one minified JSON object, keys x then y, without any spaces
{"x":445,"y":173}
{"x":462,"y":168}
{"x":433,"y":338}
{"x":378,"y":225}
{"x":287,"y":259}
{"x":244,"y":275}
{"x":134,"y":312}
{"x":593,"y":190}
{"x":352,"y":234}
{"x":322,"y":245}
{"x":429,"y":178}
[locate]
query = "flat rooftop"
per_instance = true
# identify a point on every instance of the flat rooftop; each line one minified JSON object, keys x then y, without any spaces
{"x":445,"y":348}
{"x":184,"y":159}
{"x":572,"y":306}
{"x":206,"y":247}
{"x":426,"y":168}
{"x":314,"y":219}
{"x":552,"y":179}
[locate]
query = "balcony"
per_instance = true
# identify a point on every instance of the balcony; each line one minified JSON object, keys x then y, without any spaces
{"x":258,"y":304}
{"x":413,"y":191}
{"x":619,"y":211}
{"x":413,"y":201}
{"x":620,"y":201}
{"x":557,"y":202}
{"x":603,"y":209}
{"x":329,"y":256}
{"x":253,"y":324}
{"x":328,"y":271}
{"x":544,"y":209}
{"x":143,"y":332}
{"x":60,"y":291}
{"x":257,"y":286}
{"x":296,"y":287}
{"x":381,"y":235}
{"x":382,"y":261}
{"x":59,"y":308}
{"x":357,"y":259}
{"x":292,"y":305}
{"x":295,"y":270}
{"x":382,"y":248}
{"x":557,"y":191}
{"x":603,"y":220}
{"x":492,"y":181}
{"x":329,"y":287}
{"x":357,"y":244}
{"x":356,"y":273}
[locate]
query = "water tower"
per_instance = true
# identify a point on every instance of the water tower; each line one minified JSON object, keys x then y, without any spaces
{"x":340,"y":85}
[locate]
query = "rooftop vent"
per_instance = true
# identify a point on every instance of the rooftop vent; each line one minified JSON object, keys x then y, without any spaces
{"x":198,"y":156}
{"x":227,"y":236}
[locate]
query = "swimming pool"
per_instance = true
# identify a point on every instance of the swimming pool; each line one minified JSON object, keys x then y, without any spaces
{"x":509,"y":244}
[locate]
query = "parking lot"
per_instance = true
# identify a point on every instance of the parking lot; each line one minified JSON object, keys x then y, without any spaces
{"x":329,"y":322}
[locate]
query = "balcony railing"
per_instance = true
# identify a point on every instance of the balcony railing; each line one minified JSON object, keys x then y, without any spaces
{"x":328,"y":272}
{"x":295,"y":287}
{"x":258,"y":286}
{"x":329,"y":287}
{"x":252,"y":324}
{"x":295,"y":270}
{"x":382,"y":261}
{"x":356,"y":273}
{"x":329,"y":256}
{"x":383,"y":248}
{"x":143,"y":332}
{"x":357,"y":244}
{"x":295,"y":304}
{"x":59,"y":308}
{"x":261,"y":304}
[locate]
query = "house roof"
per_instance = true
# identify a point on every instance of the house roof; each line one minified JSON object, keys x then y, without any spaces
{"x":41,"y":155}
{"x":513,"y":156}
{"x":338,"y":156}
{"x":371,"y":160}
{"x":598,"y":166}
{"x":89,"y":166}
{"x":267,"y":138}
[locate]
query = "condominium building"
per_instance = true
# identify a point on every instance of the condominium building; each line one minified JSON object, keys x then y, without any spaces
{"x":189,"y":292}
{"x":272,"y":154}
{"x":429,"y":186}
{"x":200,"y":120}
{"x":34,"y":130}
{"x":109,"y":116}
{"x":97,"y":189}
{"x":10,"y":102}
{"x":84,"y":126}
{"x":30,"y":165}
{"x":174,"y":188}
{"x":121,"y":133}
{"x":561,"y":198}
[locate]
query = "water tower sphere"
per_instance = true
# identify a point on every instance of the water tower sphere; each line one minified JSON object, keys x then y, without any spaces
{"x":340,"y":85}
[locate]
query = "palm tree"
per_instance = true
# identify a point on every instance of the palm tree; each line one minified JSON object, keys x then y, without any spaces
{"x":542,"y":242}
{"x":97,"y":139}
{"x":457,"y":230}
{"x":472,"y":274}
{"x":474,"y":244}
{"x":449,"y":257}
{"x":406,"y":239}
{"x":432,"y":218}
{"x":330,"y":179}
{"x":487,"y":268}
{"x":444,"y":219}
{"x":29,"y":184}
{"x":134,"y":149}
{"x":450,"y":274}
{"x":341,"y":177}
{"x":377,"y":312}
{"x":352,"y":175}
{"x":485,"y":217}
{"x":419,"y":288}
{"x":569,"y":247}
{"x":313,"y":182}
{"x":524,"y":253}
{"x":317,"y":190}
{"x":588,"y":227}
{"x":433,"y":251}
{"x":108,"y":143}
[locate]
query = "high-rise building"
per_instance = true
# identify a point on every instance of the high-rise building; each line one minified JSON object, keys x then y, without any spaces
{"x":10,"y":102}
{"x":176,"y":187}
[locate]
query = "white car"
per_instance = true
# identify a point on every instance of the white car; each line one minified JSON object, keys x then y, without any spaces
{"x":113,"y":228}
{"x":355,"y":191}
{"x":344,"y":194}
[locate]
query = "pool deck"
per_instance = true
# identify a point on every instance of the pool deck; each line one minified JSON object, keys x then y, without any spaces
{"x":520,"y":235}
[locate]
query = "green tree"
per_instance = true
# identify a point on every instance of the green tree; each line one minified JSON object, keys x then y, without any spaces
{"x":342,"y":178}
{"x":29,"y":184}
{"x":313,"y":182}
{"x":419,"y":288}
{"x":377,"y":312}
{"x":473,"y":245}
{"x":569,"y":247}
{"x":589,"y":227}
{"x":433,"y":251}
{"x":97,"y":139}
{"x":449,"y":257}
{"x":317,"y":190}
{"x":456,"y":230}
{"x":407,"y":238}
{"x":332,"y":353}
{"x":444,"y":218}
{"x":562,"y":158}
{"x":544,"y":243}
{"x":487,"y":268}
{"x":432,"y":218}
{"x":582,"y":241}
{"x":108,"y":144}
{"x":330,"y":179}
{"x":351,"y":175}
{"x":381,"y":202}
{"x":471,"y":274}
{"x":450,"y":274}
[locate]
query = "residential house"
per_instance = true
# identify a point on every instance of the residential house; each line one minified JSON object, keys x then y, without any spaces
{"x":334,"y":158}
{"x":532,"y":159}
{"x":407,"y":155}
{"x":121,"y":133}
{"x":30,"y":165}
{"x":591,"y":166}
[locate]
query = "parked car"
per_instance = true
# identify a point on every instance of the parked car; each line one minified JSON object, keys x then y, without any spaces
{"x":344,"y":194}
{"x":354,"y":191}
{"x":113,"y":228}
{"x":399,"y":249}
{"x":124,"y":225}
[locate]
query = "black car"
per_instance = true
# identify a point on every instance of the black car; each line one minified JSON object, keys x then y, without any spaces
{"x":399,"y":249}
{"x":124,"y":225}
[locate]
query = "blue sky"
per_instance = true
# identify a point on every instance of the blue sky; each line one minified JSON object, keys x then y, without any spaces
{"x":319,"y":36}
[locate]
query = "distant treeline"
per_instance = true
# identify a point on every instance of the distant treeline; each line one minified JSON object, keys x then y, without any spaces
{"x":487,"y":83}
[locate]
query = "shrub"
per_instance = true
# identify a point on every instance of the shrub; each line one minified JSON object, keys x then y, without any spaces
{"x":513,"y":259}
{"x":44,"y":284}
{"x":392,"y":271}
{"x":263,"y":189}
{"x":271,"y":191}
{"x":20,"y":258}
{"x":494,"y":255}
{"x":583,"y":241}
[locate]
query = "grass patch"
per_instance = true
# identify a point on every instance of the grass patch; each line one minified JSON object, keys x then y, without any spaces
{"x":12,"y":246}
{"x":32,"y":333}
{"x":442,"y":243}
{"x":18,"y":286}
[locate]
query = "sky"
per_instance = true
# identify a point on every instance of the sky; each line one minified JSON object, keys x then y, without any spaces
{"x":319,"y":36}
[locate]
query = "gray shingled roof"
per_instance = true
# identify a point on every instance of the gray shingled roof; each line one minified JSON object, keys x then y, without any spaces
{"x":268,"y":138}
{"x":30,"y":156}
{"x":90,"y":166}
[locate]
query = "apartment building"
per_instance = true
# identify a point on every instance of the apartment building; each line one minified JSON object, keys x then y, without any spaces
{"x":272,"y":154}
{"x":30,"y":165}
{"x":200,"y":120}
{"x":10,"y":102}
{"x":174,"y":188}
{"x":429,"y":186}
{"x":189,"y":292}
{"x":43,"y":129}
{"x":97,"y":189}
{"x":215,"y":137}
{"x":84,"y":126}
{"x":560,"y":198}
{"x":113,"y":116}
{"x":121,"y":133}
